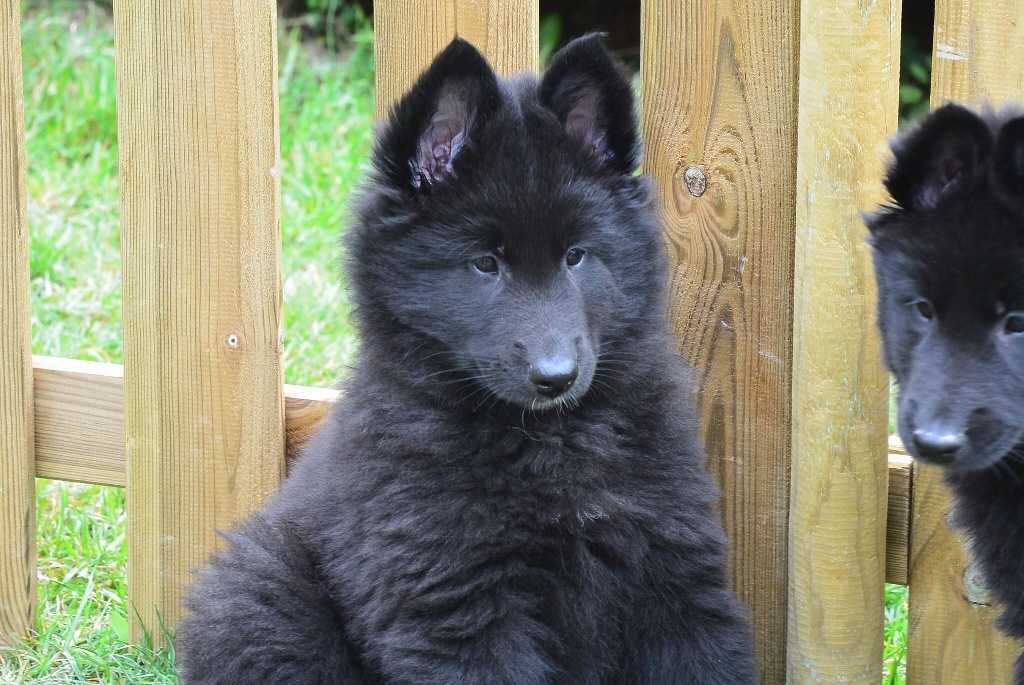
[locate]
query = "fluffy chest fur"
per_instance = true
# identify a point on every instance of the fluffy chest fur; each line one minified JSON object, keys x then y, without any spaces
{"x":549,"y":528}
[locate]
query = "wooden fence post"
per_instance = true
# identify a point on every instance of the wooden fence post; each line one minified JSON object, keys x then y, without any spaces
{"x":719,"y":88}
{"x":849,"y":82}
{"x":200,"y":209}
{"x":17,"y":462}
{"x":408,"y":33}
{"x":978,"y":57}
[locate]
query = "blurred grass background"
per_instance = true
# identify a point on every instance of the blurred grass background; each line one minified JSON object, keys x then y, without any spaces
{"x":326,"y":90}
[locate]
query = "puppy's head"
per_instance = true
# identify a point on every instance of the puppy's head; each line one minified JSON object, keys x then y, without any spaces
{"x":506,"y":245}
{"x":949,"y":260}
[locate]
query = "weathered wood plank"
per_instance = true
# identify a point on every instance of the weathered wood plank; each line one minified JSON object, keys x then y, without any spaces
{"x":410,"y":32}
{"x":79,"y":413}
{"x":719,"y":89}
{"x":978,"y":57}
{"x":304,"y":409}
{"x":897,"y":535}
{"x":199,"y":158}
{"x":17,"y":485}
{"x":79,"y":409}
{"x":849,"y":80}
{"x":80,"y":436}
{"x":952,"y":639}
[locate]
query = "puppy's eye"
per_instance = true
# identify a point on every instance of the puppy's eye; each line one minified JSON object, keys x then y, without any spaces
{"x":574,"y":256}
{"x":924,"y":308}
{"x":486,"y":264}
{"x":1014,"y":323}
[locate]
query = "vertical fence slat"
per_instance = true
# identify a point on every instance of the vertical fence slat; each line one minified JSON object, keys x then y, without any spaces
{"x":199,"y":168}
{"x":17,"y":463}
{"x":408,"y":33}
{"x":849,"y":81}
{"x":978,"y":57}
{"x":719,"y":99}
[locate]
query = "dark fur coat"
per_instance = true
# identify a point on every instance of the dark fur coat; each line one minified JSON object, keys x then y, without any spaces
{"x":511,"y":490}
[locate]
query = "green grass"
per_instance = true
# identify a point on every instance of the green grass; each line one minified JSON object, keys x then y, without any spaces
{"x":327,"y":116}
{"x":71,"y":132}
{"x":83,"y":634}
{"x":326,"y":120}
{"x":894,"y":663}
{"x":71,"y":139}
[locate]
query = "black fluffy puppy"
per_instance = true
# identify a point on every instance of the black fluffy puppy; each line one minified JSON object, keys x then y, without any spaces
{"x":511,"y":491}
{"x":949,"y":258}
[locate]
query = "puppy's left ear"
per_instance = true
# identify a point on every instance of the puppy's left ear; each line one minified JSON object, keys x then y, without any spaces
{"x":594,"y":101}
{"x":434,"y":124}
{"x":939,"y":158}
{"x":1008,"y":161}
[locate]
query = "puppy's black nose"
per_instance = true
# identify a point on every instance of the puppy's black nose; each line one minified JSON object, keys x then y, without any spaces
{"x":938,"y":444}
{"x":553,"y":376}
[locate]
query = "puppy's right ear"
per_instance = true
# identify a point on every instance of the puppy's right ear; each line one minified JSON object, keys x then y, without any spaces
{"x":593,"y":100}
{"x":1008,"y":162}
{"x":938,"y":158}
{"x":432,"y":124}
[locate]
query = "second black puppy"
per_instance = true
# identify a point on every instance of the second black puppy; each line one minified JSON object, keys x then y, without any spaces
{"x":949,"y":258}
{"x":512,"y":491}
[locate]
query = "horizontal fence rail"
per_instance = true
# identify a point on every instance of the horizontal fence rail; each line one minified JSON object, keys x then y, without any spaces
{"x":79,"y":436}
{"x":80,"y":420}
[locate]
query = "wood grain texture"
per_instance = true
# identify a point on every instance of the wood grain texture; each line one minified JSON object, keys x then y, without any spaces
{"x":409,"y":33}
{"x":79,"y":414}
{"x":952,"y":639}
{"x":977,"y":51}
{"x":79,"y":410}
{"x":719,"y":89}
{"x":897,"y":533}
{"x":17,"y":486}
{"x":199,"y":167}
{"x":849,"y":80}
{"x":978,"y":57}
{"x":304,"y":409}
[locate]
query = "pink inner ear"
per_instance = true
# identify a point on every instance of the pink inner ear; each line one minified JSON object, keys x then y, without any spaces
{"x":582,"y":122}
{"x":941,"y":177}
{"x":584,"y":129}
{"x":444,"y":137}
{"x":437,"y":148}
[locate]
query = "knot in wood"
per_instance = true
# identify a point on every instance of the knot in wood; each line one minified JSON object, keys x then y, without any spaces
{"x":974,"y":586}
{"x":696,"y":180}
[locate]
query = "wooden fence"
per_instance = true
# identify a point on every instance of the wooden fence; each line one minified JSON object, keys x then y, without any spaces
{"x":781,"y":106}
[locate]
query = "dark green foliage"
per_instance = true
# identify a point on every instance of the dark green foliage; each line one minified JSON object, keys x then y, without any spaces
{"x":915,"y":77}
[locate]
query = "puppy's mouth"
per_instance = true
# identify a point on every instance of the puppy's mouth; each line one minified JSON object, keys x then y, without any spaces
{"x":534,"y":398}
{"x":537,"y":399}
